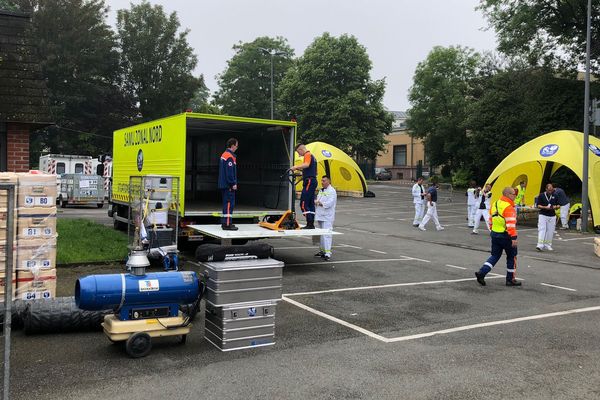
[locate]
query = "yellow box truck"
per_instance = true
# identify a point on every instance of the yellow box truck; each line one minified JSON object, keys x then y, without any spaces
{"x":189,"y":146}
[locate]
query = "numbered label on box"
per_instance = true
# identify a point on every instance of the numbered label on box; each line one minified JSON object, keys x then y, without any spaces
{"x":33,"y":264}
{"x":36,"y":232}
{"x":34,"y":201}
{"x":36,"y":295}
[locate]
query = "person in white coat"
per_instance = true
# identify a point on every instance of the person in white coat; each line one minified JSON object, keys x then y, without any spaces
{"x":418,"y":193}
{"x":471,"y":202}
{"x":483,"y":209}
{"x":325,"y":215}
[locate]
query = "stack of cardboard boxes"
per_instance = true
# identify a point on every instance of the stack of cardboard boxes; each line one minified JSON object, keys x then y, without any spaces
{"x":34,"y":251}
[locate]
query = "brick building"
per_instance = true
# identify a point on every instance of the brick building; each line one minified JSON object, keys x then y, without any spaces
{"x":404,"y":155}
{"x":23,"y":93}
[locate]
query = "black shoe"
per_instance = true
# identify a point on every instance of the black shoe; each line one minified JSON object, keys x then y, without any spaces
{"x":415,"y":225}
{"x":229,"y":227}
{"x":309,"y":226}
{"x":326,"y":257}
{"x":513,"y":283}
{"x":480,"y":278}
{"x":320,"y":254}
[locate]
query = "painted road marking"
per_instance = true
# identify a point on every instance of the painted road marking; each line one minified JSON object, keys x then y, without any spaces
{"x":352,"y":247}
{"x":334,"y":319}
{"x":377,"y":251}
{"x":390,"y":285}
{"x":454,"y":266}
{"x":491,"y":323}
{"x":303,"y":247}
{"x":357,"y":261}
{"x":558,"y":287}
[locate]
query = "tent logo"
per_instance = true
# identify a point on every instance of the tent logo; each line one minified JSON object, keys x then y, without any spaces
{"x":140,"y":160}
{"x":549,"y":150}
{"x":594,"y":149}
{"x":326,"y":153}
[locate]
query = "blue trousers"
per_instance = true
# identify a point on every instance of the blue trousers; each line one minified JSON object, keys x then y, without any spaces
{"x":307,"y":199}
{"x":228,"y":205}
{"x":501,"y":242}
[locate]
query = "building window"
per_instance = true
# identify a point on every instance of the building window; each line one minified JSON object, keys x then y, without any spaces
{"x":79,"y":168}
{"x":400,"y":155}
{"x":60,"y":168}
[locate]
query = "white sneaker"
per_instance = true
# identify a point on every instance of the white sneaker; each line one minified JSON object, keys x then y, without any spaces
{"x":475,"y":232}
{"x":422,"y":228}
{"x":549,"y":248}
{"x":440,"y":228}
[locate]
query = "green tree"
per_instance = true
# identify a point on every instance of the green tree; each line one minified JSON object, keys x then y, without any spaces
{"x":245,"y":86}
{"x":330,"y":92}
{"x":79,"y":56}
{"x":201,"y":103}
{"x":545,"y":33}
{"x":440,"y":97}
{"x":512,"y":107}
{"x":157,"y":61}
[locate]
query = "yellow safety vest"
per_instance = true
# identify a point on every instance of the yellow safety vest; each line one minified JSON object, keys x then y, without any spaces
{"x":497,"y":213}
{"x":520,"y":195}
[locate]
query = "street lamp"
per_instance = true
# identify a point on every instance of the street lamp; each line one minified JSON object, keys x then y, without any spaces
{"x":271,"y":53}
{"x":586,"y":124}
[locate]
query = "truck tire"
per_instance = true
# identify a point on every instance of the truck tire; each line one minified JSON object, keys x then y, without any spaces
{"x":118,"y":225}
{"x":62,"y":203}
{"x":100,"y":205}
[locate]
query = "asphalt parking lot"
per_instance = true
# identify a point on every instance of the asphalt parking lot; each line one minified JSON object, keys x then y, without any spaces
{"x":396,"y":314}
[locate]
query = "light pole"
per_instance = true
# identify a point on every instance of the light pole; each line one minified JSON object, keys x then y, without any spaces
{"x":271,"y":53}
{"x":586,"y":125}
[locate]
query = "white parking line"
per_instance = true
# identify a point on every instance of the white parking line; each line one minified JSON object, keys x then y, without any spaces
{"x":583,"y":238}
{"x":334,"y":319}
{"x":558,"y":287}
{"x":357,"y":261}
{"x":391,"y":285}
{"x":454,"y":266}
{"x":377,"y":251}
{"x":352,"y":247}
{"x":492,"y":323}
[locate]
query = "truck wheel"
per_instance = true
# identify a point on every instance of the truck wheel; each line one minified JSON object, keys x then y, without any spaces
{"x":62,"y":203}
{"x":138,"y":345}
{"x":100,"y":205}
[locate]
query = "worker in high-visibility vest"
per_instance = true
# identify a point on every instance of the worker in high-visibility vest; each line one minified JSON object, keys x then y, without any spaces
{"x":520,"y":191}
{"x":504,"y":238}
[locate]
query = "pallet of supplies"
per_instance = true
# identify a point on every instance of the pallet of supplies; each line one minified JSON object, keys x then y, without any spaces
{"x":36,"y":284}
{"x":36,"y":190}
{"x":3,"y":285}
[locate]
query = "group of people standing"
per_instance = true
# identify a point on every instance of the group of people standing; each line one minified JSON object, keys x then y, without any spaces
{"x":500,"y":219}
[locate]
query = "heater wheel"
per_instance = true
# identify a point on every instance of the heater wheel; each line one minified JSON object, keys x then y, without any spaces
{"x":138,"y":345}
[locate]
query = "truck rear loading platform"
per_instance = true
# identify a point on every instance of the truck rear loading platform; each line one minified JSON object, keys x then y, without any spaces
{"x":252,"y":231}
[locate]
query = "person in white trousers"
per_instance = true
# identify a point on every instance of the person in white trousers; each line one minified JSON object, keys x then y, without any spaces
{"x":418,"y":194}
{"x":483,"y":209}
{"x":547,"y":204}
{"x":565,"y":206}
{"x":431,"y":198}
{"x":471,"y":202}
{"x":325,"y":214}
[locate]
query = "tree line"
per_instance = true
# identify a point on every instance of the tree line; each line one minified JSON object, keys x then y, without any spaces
{"x":473,"y":109}
{"x":100,"y":79}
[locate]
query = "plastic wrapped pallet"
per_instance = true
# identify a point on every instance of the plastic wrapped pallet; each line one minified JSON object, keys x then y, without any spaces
{"x":36,"y":284}
{"x":36,"y":190}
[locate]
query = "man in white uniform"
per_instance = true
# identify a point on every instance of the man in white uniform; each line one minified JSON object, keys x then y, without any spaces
{"x":325,"y":214}
{"x":547,"y":203}
{"x":471,"y":202}
{"x":483,"y":210}
{"x":431,"y":198}
{"x":418,"y":193}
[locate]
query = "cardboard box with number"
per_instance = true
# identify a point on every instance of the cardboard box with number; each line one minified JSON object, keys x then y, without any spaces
{"x":41,"y":285}
{"x":36,"y":190}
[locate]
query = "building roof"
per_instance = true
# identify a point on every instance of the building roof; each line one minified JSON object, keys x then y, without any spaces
{"x":23,"y":91}
{"x":399,"y":114}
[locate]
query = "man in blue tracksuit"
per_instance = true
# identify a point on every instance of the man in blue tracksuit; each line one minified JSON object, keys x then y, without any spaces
{"x":309,"y":184}
{"x":228,"y":183}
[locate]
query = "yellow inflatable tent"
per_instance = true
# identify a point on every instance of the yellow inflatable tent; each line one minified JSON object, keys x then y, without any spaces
{"x":537,"y":160}
{"x":346,"y":176}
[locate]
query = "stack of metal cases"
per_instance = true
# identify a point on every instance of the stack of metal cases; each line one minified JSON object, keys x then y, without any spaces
{"x":241,"y":298}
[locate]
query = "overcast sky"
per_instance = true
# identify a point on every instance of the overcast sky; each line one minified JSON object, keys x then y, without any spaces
{"x":398,"y":34}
